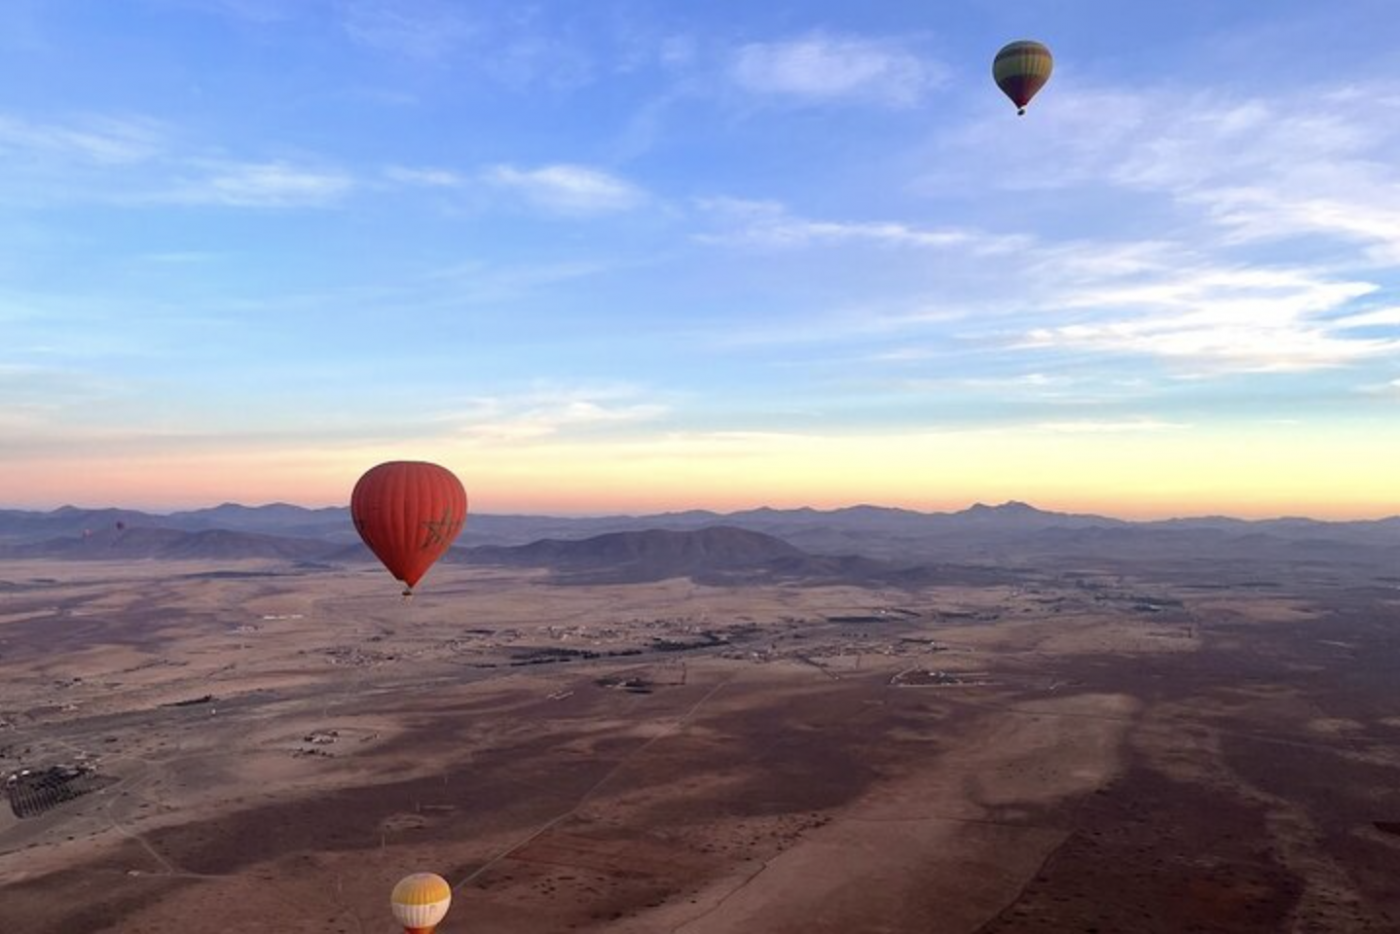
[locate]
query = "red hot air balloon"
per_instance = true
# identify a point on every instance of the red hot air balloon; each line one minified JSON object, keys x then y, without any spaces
{"x":408,"y":513}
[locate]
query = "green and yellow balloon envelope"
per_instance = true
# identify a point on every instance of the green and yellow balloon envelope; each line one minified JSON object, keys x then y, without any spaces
{"x":1021,"y":69}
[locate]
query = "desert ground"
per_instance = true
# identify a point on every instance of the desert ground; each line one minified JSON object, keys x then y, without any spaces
{"x":269,"y":747}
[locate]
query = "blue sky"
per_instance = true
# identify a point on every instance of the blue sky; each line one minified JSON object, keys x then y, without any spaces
{"x":649,"y":255}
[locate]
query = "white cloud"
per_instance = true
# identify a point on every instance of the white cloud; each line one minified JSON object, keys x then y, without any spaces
{"x":522,"y":50}
{"x":547,"y":413}
{"x":1025,"y":380}
{"x":1241,"y":185}
{"x":1176,"y":301}
{"x":529,"y":59}
{"x":677,"y":51}
{"x":1252,"y":320}
{"x":476,"y":282}
{"x":1389,"y":388}
{"x":906,"y":355}
{"x":769,"y":224}
{"x":425,"y":176}
{"x":1090,"y":261}
{"x":1384,"y":317}
{"x":1316,"y":163}
{"x":568,"y":189}
{"x":1369,"y":214}
{"x":100,"y":140}
{"x":136,"y":161}
{"x":1110,"y":426}
{"x":1244,"y":295}
{"x":262,"y":185}
{"x":420,"y":29}
{"x":821,"y":67}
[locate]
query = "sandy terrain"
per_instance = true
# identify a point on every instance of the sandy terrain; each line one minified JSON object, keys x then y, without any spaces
{"x":1069,"y":754}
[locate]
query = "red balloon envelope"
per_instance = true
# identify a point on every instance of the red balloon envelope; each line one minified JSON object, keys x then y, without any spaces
{"x":408,"y":513}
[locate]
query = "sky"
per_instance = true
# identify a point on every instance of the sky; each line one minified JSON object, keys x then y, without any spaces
{"x":637,"y":256}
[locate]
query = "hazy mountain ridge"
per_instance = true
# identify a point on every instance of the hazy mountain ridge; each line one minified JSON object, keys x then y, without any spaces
{"x":802,"y":543}
{"x":646,"y":555}
{"x":333,"y":522}
{"x":143,"y":542}
{"x":717,"y":555}
{"x":716,"y":546}
{"x":720,"y":555}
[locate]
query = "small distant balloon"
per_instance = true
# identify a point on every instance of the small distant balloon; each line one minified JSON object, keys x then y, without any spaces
{"x":408,"y":513}
{"x":420,"y":902}
{"x":1021,"y":69}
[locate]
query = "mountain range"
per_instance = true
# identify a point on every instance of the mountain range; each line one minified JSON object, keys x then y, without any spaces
{"x":867,"y":543}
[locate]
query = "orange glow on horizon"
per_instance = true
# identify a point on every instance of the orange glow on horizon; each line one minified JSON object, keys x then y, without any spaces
{"x":1249,"y":475}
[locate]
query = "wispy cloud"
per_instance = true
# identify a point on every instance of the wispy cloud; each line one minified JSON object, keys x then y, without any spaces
{"x":478,"y":282}
{"x":820,"y":67}
{"x":441,"y":289}
{"x":1222,"y":319}
{"x":1368,"y":214}
{"x":261,"y":185}
{"x":1384,"y":317}
{"x":550,"y":412}
{"x":137,"y":161}
{"x":568,"y":189}
{"x":1036,"y":382}
{"x":1247,"y":185}
{"x":1390,"y":388}
{"x":1110,"y":426}
{"x":427,"y":177}
{"x":536,"y":59}
{"x":99,"y":140}
{"x":1184,"y":304}
{"x":1091,"y":261}
{"x":42,"y":397}
{"x":1317,"y":162}
{"x":1248,"y":296}
{"x":770,"y":224}
{"x":522,"y":51}
{"x":426,"y":30}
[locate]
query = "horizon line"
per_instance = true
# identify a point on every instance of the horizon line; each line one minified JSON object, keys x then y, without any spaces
{"x":167,"y":512}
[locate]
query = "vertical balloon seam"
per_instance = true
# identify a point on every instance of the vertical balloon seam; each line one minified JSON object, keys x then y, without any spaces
{"x":409,"y":497}
{"x":403,"y":508}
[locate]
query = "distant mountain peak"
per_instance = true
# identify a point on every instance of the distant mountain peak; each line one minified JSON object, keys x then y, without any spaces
{"x":647,"y":554}
{"x":1011,"y":507}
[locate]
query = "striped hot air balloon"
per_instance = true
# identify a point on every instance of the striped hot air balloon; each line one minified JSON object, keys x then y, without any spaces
{"x":420,"y":902}
{"x":1021,"y":69}
{"x":408,"y":513}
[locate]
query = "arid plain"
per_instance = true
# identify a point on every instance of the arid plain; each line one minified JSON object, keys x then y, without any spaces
{"x":1086,"y":751}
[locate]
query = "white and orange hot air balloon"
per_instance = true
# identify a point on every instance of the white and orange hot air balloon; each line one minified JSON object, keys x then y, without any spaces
{"x":420,"y":902}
